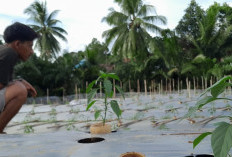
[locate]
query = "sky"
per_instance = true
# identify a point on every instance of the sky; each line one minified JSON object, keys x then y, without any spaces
{"x":82,"y":19}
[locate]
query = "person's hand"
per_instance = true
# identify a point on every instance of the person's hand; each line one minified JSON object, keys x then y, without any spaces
{"x":31,"y":90}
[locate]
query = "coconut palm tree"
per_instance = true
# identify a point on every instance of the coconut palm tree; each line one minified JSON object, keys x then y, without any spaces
{"x":47,"y":26}
{"x":212,"y":36}
{"x":130,"y":34}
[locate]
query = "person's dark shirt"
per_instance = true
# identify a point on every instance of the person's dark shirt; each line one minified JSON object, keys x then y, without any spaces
{"x":8,"y":59}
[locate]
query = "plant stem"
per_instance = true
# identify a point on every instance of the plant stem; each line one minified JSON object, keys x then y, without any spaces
{"x":104,"y":119}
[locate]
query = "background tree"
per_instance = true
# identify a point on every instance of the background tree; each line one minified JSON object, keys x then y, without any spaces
{"x":212,"y":37}
{"x":189,"y":24}
{"x":48,"y":27}
{"x":224,"y":20}
{"x":129,"y":34}
{"x":168,"y":48}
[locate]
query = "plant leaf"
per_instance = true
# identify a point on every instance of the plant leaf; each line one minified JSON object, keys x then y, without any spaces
{"x":221,"y":81}
{"x":115,"y":108}
{"x":113,"y":76}
{"x":91,"y":94}
{"x":97,"y":114}
{"x":90,"y":86}
{"x":200,"y":138}
{"x":200,"y":103}
{"x":108,"y":87}
{"x":219,"y":88}
{"x":120,"y":91}
{"x":221,"y":140}
{"x":103,"y":75}
{"x":90,"y":104}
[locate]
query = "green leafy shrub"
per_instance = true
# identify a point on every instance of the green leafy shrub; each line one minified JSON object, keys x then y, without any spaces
{"x":108,"y":94}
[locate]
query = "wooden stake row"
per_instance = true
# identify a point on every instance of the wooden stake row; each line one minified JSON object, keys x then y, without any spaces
{"x":161,"y":87}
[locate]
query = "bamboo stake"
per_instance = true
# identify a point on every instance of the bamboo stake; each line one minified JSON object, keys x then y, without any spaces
{"x":86,"y":84}
{"x":161,"y":85}
{"x":166,"y":85}
{"x":47,"y":95}
{"x":79,"y":93}
{"x":181,"y":85}
{"x":75,"y":91}
{"x":145,"y":87}
{"x":211,"y":81}
{"x":159,"y":88}
{"x":229,"y":88}
{"x":138,"y":87}
{"x":173,"y":85}
{"x":129,"y":86}
{"x":170,"y":86}
{"x":202,"y":82}
{"x":187,"y":83}
{"x":150,"y":90}
{"x":100,"y":89}
{"x":194,"y":86}
{"x":114,"y":88}
{"x":63,"y":96}
{"x":206,"y":83}
{"x":154,"y":90}
{"x":189,"y":89}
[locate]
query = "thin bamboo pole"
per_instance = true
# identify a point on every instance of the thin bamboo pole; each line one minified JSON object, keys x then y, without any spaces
{"x":206,"y":83}
{"x":63,"y":95}
{"x":170,"y":86}
{"x":173,"y":85}
{"x":166,"y":85}
{"x":114,"y":88}
{"x":79,"y":93}
{"x":76,"y":91}
{"x":100,"y":89}
{"x":145,"y":87}
{"x":189,"y":89}
{"x":194,"y":86}
{"x":47,"y":96}
{"x":181,"y":85}
{"x":211,"y":81}
{"x":154,"y":90}
{"x":86,"y":84}
{"x":161,"y":85}
{"x":138,"y":87}
{"x":202,"y":82}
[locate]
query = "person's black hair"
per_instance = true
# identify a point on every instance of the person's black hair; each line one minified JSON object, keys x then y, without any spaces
{"x":19,"y":31}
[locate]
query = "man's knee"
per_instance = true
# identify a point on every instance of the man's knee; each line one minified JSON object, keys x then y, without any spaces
{"x":16,"y":90}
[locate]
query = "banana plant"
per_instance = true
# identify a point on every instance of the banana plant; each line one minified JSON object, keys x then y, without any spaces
{"x":106,"y":78}
{"x":221,"y":136}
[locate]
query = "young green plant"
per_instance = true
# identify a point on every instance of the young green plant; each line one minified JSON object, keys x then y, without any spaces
{"x":221,"y":136}
{"x":108,"y":94}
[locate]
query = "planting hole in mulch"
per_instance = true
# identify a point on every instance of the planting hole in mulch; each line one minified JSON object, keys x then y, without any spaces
{"x":200,"y":155}
{"x":113,"y":131}
{"x":91,"y":140}
{"x":132,"y":154}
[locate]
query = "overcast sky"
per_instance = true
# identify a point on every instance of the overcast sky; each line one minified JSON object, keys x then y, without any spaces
{"x":82,"y":18}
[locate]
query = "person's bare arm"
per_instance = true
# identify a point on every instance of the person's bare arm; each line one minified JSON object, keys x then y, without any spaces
{"x":29,"y":87}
